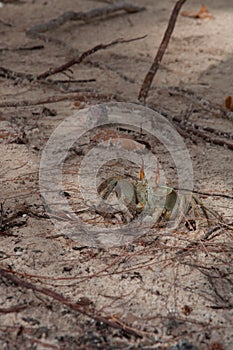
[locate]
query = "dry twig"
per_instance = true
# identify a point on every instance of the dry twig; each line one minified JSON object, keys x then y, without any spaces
{"x":53,"y":99}
{"x":160,"y":53}
{"x":205,"y":104}
{"x":80,"y":58}
{"x":83,"y":16}
{"x":16,"y":308}
{"x":199,"y":131}
{"x":114,"y":323}
{"x":36,"y":32}
{"x":9,"y":74}
{"x":26,"y":48}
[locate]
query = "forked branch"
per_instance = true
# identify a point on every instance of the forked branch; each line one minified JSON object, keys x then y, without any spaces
{"x":80,"y":58}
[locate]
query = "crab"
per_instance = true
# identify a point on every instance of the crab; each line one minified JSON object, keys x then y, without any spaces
{"x":153,"y":200}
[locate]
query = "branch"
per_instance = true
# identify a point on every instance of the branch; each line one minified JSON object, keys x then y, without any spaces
{"x":74,"y":306}
{"x":199,"y":131}
{"x":79,"y":59}
{"x":207,"y":105}
{"x":53,"y":99}
{"x":12,"y":309}
{"x":10,"y":74}
{"x":83,"y":16}
{"x":160,"y":53}
{"x":27,"y":48}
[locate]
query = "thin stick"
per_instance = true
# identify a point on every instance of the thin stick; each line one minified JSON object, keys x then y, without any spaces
{"x":207,"y":105}
{"x":83,"y":16}
{"x":69,"y":97}
{"x":10,"y":74}
{"x":27,"y":48}
{"x":74,"y":306}
{"x":16,"y":308}
{"x":162,"y":48}
{"x":79,"y":59}
{"x":199,"y":130}
{"x":196,"y":130}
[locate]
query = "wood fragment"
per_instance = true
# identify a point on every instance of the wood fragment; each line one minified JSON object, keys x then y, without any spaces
{"x":160,"y":53}
{"x":111,"y":322}
{"x":229,"y":103}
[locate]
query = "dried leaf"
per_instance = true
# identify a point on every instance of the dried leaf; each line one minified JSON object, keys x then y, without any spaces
{"x":201,"y":14}
{"x":229,"y":103}
{"x":186,"y":309}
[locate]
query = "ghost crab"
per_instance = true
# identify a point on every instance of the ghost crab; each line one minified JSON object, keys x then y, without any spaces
{"x":156,"y":201}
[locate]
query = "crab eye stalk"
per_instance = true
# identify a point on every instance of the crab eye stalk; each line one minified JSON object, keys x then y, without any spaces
{"x":157,"y":175}
{"x":142,"y":173}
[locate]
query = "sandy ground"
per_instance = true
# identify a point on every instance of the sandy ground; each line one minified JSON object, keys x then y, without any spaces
{"x":171,"y":291}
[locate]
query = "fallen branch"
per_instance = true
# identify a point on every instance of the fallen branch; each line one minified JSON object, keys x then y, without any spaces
{"x":61,"y":84}
{"x":16,"y":308}
{"x":207,"y":105}
{"x":9,"y":74}
{"x":199,"y":131}
{"x":206,"y":237}
{"x":114,"y":323}
{"x":211,"y":130}
{"x":80,"y":58}
{"x":83,"y":16}
{"x":208,"y":194}
{"x":27,"y":48}
{"x":53,"y":99}
{"x":160,"y":53}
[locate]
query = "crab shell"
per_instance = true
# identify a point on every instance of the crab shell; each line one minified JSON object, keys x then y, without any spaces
{"x":140,"y":196}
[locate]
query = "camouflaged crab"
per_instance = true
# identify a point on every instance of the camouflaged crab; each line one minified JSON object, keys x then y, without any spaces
{"x":150,"y":198}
